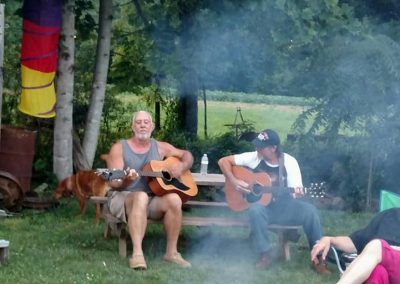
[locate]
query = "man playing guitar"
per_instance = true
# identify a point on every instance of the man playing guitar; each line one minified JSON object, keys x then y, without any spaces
{"x":282,"y":170}
{"x":133,"y":201}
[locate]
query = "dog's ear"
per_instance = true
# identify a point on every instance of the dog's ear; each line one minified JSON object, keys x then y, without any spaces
{"x":65,"y":187}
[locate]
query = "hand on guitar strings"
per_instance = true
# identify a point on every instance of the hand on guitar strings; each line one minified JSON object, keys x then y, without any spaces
{"x":242,"y":186}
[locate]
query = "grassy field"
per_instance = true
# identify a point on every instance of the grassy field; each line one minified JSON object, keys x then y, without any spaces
{"x":56,"y":246}
{"x":278,"y":117}
{"x":262,"y":112}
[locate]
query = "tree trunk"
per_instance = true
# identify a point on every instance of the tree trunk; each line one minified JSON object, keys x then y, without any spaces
{"x":63,"y":125}
{"x":368,"y":202}
{"x":205,"y":111}
{"x":1,"y":58}
{"x":92,"y":127}
{"x":80,"y":161}
{"x":188,"y":78}
{"x":189,"y":112}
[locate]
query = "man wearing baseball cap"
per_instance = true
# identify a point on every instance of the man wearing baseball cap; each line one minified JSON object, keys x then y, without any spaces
{"x":283,"y":208}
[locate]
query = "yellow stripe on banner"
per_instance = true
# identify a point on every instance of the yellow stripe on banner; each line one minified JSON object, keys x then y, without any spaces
{"x":38,"y":102}
{"x":31,"y":78}
{"x":38,"y":97}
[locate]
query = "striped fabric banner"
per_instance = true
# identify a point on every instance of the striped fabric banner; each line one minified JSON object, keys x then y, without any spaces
{"x":39,"y":53}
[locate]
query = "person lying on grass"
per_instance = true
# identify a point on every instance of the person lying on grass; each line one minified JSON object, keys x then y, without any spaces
{"x":378,"y":246}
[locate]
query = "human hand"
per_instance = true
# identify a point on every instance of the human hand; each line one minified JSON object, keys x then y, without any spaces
{"x":131,"y":174}
{"x":121,"y":178}
{"x":175,"y":170}
{"x":241,"y":186}
{"x":320,"y":248}
{"x":298,"y":192}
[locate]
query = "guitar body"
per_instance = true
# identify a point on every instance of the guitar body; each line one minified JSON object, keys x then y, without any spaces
{"x":236,"y":200}
{"x":184,"y":186}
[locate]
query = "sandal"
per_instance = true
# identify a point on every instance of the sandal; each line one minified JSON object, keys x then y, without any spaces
{"x":137,"y":262}
{"x":177,"y":259}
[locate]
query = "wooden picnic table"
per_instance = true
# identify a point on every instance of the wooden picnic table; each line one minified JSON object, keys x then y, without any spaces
{"x":209,"y":179}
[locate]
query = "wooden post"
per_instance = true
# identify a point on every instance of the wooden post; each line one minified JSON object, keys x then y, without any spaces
{"x":205,"y":111}
{"x":368,"y":202}
{"x":4,"y":252}
{"x":1,"y":58}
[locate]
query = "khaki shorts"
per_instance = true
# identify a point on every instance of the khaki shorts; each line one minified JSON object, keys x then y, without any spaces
{"x":116,"y":205}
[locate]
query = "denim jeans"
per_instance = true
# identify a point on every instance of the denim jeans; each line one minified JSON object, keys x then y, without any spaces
{"x":284,"y":210}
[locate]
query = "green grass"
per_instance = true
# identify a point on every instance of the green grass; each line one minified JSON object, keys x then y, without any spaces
{"x":261,"y":111}
{"x":260,"y":115}
{"x":58,"y":247}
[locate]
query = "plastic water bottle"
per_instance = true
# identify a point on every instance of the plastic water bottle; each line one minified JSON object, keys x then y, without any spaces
{"x":204,"y":165}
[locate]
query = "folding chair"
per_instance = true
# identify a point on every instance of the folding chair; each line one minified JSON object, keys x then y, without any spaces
{"x":388,"y":200}
{"x":341,"y":259}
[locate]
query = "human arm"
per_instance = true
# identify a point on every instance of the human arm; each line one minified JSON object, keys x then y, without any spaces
{"x":343,"y":243}
{"x":115,"y":161}
{"x":294,"y":178}
{"x":225,"y":164}
{"x":167,"y":150}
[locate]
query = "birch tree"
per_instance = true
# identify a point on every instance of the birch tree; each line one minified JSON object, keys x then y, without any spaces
{"x":92,"y":126}
{"x":63,"y":125}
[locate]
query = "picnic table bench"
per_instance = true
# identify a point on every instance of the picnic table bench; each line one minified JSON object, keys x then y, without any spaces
{"x":285,"y":234}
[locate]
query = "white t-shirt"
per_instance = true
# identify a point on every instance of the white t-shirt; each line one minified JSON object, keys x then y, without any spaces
{"x":251,"y":160}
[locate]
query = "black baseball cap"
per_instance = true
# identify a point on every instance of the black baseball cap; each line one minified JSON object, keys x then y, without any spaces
{"x":267,"y":137}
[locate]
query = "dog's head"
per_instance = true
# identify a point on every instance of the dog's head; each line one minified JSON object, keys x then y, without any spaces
{"x":65,"y":188}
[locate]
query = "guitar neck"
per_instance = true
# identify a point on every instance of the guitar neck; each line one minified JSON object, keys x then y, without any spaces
{"x":315,"y":191}
{"x":258,"y":189}
{"x":162,"y":174}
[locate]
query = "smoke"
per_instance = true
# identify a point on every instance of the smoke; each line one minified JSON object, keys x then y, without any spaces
{"x":228,"y":47}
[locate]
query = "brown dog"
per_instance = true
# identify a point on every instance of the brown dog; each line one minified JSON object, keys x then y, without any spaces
{"x":83,"y":185}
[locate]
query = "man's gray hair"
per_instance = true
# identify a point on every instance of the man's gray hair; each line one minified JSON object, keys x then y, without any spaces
{"x":137,"y":112}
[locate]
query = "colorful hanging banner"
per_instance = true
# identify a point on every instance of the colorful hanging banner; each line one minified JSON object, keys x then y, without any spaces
{"x":39,"y":53}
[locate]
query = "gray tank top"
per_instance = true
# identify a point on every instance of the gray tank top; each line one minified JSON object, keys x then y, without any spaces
{"x":137,"y":161}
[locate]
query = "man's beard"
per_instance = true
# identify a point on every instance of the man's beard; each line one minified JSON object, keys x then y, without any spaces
{"x":143,"y":136}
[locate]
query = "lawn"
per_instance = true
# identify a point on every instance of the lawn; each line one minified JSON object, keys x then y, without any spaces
{"x":56,"y":246}
{"x":261,"y":111}
{"x":278,"y":117}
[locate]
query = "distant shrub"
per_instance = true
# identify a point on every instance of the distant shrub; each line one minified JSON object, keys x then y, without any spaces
{"x":257,"y":98}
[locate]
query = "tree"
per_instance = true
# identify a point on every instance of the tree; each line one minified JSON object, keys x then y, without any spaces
{"x":92,"y":126}
{"x":1,"y":57}
{"x":63,"y":124}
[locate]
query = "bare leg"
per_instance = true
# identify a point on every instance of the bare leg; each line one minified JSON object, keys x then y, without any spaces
{"x":169,"y":206}
{"x":360,"y":269}
{"x":136,"y":209}
{"x":172,"y":223}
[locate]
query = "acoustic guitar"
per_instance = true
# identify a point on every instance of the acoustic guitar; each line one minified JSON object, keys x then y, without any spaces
{"x":261,"y":190}
{"x":159,"y":178}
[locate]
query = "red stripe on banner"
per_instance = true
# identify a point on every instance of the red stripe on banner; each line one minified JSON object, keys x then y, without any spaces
{"x":45,"y":65}
{"x":39,"y":48}
{"x":31,"y":26}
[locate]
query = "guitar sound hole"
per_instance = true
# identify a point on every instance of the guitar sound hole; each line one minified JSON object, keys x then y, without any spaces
{"x":256,"y":191}
{"x":166,"y":175}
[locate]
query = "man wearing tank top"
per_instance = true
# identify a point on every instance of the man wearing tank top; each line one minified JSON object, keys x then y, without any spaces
{"x":133,"y":202}
{"x":284,"y":208}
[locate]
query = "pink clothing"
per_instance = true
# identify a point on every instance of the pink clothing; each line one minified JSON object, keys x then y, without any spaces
{"x":378,"y":276}
{"x":388,"y":271}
